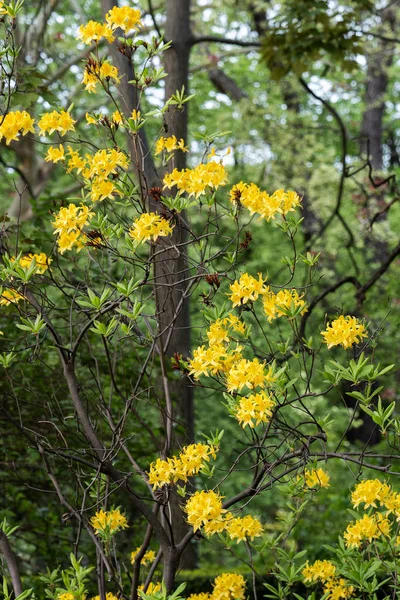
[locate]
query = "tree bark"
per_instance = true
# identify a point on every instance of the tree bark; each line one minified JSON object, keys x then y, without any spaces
{"x":378,"y":63}
{"x":11,"y":562}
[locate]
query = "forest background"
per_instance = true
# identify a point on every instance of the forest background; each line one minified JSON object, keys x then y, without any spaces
{"x":305,"y":95}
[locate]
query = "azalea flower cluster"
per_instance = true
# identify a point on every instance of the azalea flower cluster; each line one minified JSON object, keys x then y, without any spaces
{"x":344,"y":331}
{"x":99,"y":73}
{"x":194,"y":182}
{"x":325,"y":572}
{"x":254,"y":409}
{"x":150,"y":226}
{"x":99,"y":170}
{"x":42,"y":262}
{"x":179,"y":468}
{"x":109,"y":596}
{"x":247,"y":289}
{"x":373,"y":494}
{"x":61,"y":121}
{"x":227,"y":586}
{"x":69,"y":223}
{"x":282,"y":303}
{"x":204,"y":510}
{"x":107,"y":523}
{"x":148,"y":556}
{"x":316,"y":478}
{"x":14,"y":124}
{"x":260,"y":202}
{"x":124,"y":17}
{"x":170,"y":144}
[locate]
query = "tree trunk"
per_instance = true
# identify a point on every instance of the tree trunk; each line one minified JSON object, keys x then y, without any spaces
{"x":378,"y":63}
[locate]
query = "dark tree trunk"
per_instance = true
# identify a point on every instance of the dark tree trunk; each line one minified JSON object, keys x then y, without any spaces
{"x":378,"y":63}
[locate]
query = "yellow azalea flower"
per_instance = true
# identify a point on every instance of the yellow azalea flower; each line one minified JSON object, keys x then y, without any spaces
{"x":367,"y":528}
{"x":55,"y":154}
{"x":75,"y":162}
{"x":344,"y":331}
{"x":66,"y":596}
{"x":117,"y":117}
{"x":14,"y":124}
{"x":148,"y":557}
{"x":150,"y":226}
{"x":207,"y":361}
{"x":42,"y":262}
{"x":68,"y":224}
{"x":181,"y":467}
{"x":203,"y":507}
{"x":124,"y":17}
{"x":56,"y":121}
{"x":276,"y":305}
{"x":254,"y":409}
{"x":247,"y":288}
{"x":93,"y":32}
{"x":10,"y":296}
{"x":135,"y":115}
{"x":108,"y":522}
{"x":241,"y":528}
{"x":170,"y":144}
{"x":102,"y":189}
{"x":90,"y":120}
{"x":97,"y":72}
{"x":229,"y":586}
{"x":104,"y":163}
{"x":3,"y":9}
{"x":316,"y":478}
{"x":338,"y":589}
{"x":246,"y":373}
{"x":369,"y":492}
{"x":198,"y":180}
{"x":109,"y":596}
{"x":259,"y":202}
{"x":152,"y":588}
{"x":320,"y":570}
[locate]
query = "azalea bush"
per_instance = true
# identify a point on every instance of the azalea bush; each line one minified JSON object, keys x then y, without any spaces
{"x":97,"y":305}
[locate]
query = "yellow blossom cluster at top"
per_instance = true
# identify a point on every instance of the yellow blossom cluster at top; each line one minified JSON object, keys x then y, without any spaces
{"x":196,"y":181}
{"x":227,"y":586}
{"x":204,"y":509}
{"x":344,"y":331}
{"x":123,"y":17}
{"x":69,"y":223}
{"x":42,"y":262}
{"x":170,"y":144}
{"x":150,"y":226}
{"x":267,"y":206}
{"x":96,"y":73}
{"x":316,"y":478}
{"x":108,"y":522}
{"x":14,"y":124}
{"x":148,"y":556}
{"x":325,"y":572}
{"x":181,"y":467}
{"x":62,"y":122}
